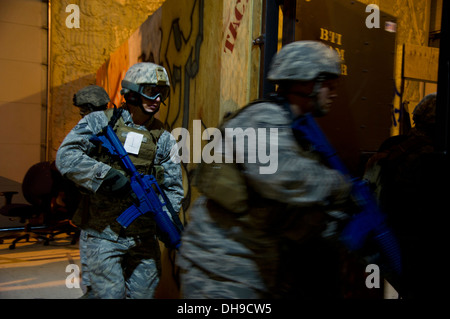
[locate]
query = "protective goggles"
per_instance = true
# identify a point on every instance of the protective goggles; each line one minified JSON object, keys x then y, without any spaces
{"x":149,"y":91}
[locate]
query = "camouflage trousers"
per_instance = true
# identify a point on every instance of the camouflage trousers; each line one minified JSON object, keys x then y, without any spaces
{"x":83,"y":259}
{"x":199,"y":284}
{"x":127,"y":268}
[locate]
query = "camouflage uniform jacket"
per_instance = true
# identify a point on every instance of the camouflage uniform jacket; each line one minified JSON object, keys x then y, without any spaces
{"x":288,"y":203}
{"x":76,"y":160}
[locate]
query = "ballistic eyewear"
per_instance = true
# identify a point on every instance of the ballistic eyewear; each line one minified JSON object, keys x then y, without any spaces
{"x":149,"y":91}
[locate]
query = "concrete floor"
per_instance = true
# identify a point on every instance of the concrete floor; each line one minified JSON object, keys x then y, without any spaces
{"x":35,"y":271}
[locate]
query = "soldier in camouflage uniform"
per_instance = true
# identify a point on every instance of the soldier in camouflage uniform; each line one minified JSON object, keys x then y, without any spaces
{"x":123,"y":262}
{"x":242,"y":252}
{"x":411,"y":184}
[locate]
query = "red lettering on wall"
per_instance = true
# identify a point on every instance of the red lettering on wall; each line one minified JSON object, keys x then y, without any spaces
{"x":232,"y":30}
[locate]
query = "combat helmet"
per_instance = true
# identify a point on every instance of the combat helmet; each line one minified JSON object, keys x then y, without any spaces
{"x":148,"y":80}
{"x":424,"y":114}
{"x":304,"y":61}
{"x":92,"y":94}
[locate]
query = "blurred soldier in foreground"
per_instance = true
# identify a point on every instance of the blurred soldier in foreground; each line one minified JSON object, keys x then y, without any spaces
{"x":123,"y":262}
{"x":254,"y":235}
{"x":409,"y":179}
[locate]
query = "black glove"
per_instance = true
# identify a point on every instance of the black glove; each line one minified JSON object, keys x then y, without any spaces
{"x":115,"y":184}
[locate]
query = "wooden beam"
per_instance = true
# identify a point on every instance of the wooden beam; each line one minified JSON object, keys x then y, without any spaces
{"x":421,"y":63}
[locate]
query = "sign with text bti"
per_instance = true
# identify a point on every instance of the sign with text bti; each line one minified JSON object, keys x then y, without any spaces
{"x":360,"y":119}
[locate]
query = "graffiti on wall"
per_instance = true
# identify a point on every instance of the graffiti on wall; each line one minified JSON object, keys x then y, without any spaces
{"x":181,"y":58}
{"x":180,"y":55}
{"x":173,"y":37}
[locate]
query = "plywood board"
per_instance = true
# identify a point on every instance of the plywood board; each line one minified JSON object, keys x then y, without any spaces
{"x":421,"y":63}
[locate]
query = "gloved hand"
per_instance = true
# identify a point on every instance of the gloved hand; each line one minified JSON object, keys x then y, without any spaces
{"x":115,"y":184}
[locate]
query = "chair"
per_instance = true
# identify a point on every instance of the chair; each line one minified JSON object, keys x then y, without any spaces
{"x":46,"y":214}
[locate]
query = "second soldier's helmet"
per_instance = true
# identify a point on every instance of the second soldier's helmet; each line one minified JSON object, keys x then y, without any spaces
{"x":147,"y":79}
{"x":424,"y":114}
{"x":92,"y":96}
{"x":304,"y":61}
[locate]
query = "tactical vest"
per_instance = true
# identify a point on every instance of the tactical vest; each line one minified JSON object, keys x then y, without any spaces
{"x":225,"y":183}
{"x":96,"y":211}
{"x":143,"y":161}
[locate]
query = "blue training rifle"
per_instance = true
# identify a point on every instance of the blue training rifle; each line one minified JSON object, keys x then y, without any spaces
{"x":370,"y":221}
{"x":146,"y":190}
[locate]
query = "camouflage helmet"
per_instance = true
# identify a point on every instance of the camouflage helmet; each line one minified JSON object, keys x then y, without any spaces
{"x":304,"y":61}
{"x":145,"y":74}
{"x":91,"y":94}
{"x":424,"y":113}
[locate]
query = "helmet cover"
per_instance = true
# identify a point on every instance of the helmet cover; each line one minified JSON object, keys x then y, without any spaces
{"x":425,"y":111}
{"x":144,"y":73}
{"x":91,"y":94}
{"x":304,"y":61}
